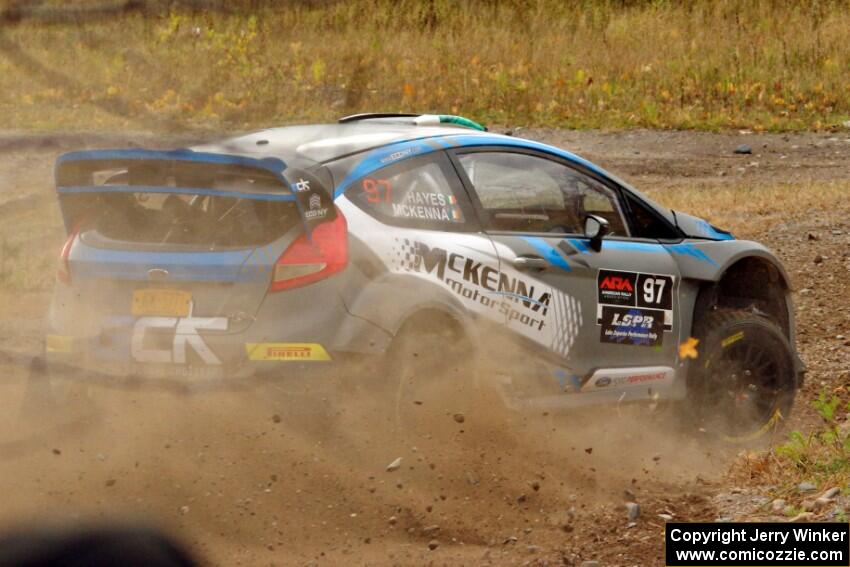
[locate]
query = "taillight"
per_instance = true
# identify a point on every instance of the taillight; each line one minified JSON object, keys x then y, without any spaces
{"x":310,"y":260}
{"x":63,"y":272}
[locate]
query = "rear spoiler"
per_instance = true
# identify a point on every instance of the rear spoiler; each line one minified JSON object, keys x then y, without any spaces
{"x":196,"y":173}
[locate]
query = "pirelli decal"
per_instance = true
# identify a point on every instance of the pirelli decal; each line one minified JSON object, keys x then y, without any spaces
{"x":287,"y":352}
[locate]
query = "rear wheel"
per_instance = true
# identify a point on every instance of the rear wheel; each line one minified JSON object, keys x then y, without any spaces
{"x":432,"y":376}
{"x":742,"y":385}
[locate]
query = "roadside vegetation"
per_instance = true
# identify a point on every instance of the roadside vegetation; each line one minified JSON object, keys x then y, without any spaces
{"x":756,"y":64}
{"x":819,"y":458}
{"x":751,"y":209}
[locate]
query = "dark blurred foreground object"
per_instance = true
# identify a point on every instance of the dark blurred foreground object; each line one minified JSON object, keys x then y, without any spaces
{"x":91,"y":547}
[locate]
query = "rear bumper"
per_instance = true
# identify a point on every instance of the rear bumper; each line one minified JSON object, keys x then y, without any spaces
{"x":184,"y":378}
{"x":87,"y":358}
{"x":294,"y":332}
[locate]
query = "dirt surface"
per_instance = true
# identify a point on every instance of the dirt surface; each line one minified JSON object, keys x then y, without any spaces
{"x":294,"y":471}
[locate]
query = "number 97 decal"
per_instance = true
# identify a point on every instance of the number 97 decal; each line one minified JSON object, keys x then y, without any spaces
{"x":655,"y":291}
{"x":378,"y":190}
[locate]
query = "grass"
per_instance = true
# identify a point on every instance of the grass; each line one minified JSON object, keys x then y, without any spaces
{"x":750,"y":209}
{"x":758,"y":64}
{"x":821,"y":457}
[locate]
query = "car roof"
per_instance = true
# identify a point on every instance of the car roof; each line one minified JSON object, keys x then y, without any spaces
{"x":324,"y":143}
{"x":327,"y":142}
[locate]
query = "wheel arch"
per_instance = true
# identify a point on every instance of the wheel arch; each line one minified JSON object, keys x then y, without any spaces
{"x":754,"y":281}
{"x":431,"y":310}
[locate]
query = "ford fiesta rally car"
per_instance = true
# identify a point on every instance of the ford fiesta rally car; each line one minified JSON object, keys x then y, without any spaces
{"x":298,"y":246}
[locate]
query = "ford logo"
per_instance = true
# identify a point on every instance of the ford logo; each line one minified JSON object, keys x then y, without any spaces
{"x":603,"y":381}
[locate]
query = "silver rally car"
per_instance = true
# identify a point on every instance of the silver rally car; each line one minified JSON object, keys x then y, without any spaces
{"x":301,"y":246}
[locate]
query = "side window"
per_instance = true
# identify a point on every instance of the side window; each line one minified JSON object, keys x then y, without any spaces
{"x":418,"y":193}
{"x":646,"y":224}
{"x":526,"y":193}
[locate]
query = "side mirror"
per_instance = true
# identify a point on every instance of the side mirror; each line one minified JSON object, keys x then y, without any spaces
{"x":595,"y":228}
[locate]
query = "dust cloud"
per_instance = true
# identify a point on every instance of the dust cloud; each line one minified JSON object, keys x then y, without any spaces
{"x":292,"y":468}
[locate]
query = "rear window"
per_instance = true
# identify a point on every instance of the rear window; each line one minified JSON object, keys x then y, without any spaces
{"x":205,"y":222}
{"x":201,"y":205}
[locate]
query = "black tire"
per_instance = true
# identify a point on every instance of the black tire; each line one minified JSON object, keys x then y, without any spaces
{"x":741,"y":386}
{"x":431,"y":376}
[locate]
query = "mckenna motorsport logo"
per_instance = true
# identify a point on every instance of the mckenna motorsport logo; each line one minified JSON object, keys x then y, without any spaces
{"x":474,"y":281}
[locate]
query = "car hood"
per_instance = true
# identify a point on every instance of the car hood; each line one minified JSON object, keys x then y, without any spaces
{"x":696,"y":227}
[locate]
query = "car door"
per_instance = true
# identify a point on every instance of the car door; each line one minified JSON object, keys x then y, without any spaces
{"x":590,"y":310}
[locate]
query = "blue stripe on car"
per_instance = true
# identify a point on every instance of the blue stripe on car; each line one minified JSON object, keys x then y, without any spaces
{"x":407,"y":149}
{"x":706,"y":229}
{"x":382,"y":157}
{"x":690,"y":250}
{"x":134,"y":264}
{"x":548,"y":251}
{"x":518,"y":296}
{"x":178,"y":190}
{"x":272,"y":164}
{"x":682,"y":249}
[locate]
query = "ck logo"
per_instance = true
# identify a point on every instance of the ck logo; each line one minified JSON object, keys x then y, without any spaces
{"x":302,"y":185}
{"x":185,"y":335}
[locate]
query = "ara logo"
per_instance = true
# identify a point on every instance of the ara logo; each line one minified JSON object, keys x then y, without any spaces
{"x":186,"y":336}
{"x":616,"y":283}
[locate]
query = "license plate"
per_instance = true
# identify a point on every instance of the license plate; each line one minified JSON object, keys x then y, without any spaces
{"x":164,"y":302}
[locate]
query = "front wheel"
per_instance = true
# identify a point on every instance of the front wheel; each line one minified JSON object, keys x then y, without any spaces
{"x":742,"y":384}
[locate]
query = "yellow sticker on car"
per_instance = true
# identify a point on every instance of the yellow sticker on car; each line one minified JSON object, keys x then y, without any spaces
{"x":732,"y":339}
{"x":58,"y":344}
{"x":292,"y":352}
{"x":163,"y":302}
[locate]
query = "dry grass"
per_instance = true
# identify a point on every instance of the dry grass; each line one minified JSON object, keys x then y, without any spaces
{"x":752,"y":209}
{"x":616,"y":64}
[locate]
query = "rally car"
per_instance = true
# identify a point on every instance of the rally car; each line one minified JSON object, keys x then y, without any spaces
{"x":299,"y":246}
